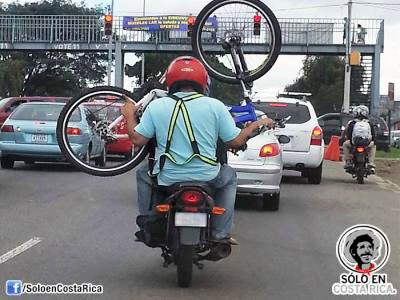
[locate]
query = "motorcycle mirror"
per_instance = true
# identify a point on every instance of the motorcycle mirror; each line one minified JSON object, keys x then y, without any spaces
{"x":284,"y":139}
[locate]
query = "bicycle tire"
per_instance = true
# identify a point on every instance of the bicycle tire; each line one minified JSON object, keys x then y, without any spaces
{"x":67,"y":150}
{"x":275,"y":30}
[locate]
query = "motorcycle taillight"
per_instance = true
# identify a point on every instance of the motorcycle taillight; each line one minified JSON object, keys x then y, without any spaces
{"x":192,"y":197}
{"x":360,"y":149}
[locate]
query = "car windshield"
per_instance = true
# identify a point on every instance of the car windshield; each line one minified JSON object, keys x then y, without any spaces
{"x":42,"y":112}
{"x":277,"y":110}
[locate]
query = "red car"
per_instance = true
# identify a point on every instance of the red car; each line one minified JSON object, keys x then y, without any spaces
{"x":121,"y":146}
{"x":8,"y":105}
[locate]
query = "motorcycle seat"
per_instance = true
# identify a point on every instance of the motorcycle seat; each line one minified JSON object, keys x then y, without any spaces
{"x":205,"y":186}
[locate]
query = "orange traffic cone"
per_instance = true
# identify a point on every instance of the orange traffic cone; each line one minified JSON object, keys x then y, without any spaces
{"x":332,"y":152}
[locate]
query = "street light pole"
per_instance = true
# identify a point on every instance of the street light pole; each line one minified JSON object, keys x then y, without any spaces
{"x":144,"y":13}
{"x":110,"y":48}
{"x":347,"y":74}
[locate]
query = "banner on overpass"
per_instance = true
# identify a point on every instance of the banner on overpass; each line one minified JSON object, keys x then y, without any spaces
{"x":160,"y":23}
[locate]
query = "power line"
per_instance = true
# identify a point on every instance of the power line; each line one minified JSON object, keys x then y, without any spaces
{"x":378,"y":3}
{"x":310,"y":7}
{"x":382,"y":7}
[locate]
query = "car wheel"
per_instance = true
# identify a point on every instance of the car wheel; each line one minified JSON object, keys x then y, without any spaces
{"x":314,"y":175}
{"x":101,"y":160}
{"x":271,"y":201}
{"x":7,"y":163}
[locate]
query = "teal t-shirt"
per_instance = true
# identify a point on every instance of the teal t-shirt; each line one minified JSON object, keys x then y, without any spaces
{"x":210,"y":119}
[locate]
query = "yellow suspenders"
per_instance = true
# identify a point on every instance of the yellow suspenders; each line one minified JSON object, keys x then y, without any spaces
{"x":180,"y":107}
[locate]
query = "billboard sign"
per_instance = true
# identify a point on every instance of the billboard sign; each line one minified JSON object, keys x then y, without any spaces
{"x":162,"y":23}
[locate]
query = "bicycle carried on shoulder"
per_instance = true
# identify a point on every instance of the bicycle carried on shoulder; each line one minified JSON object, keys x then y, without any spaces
{"x":232,"y":49}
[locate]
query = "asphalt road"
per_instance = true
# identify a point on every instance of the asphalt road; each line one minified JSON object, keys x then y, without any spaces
{"x":86,"y":224}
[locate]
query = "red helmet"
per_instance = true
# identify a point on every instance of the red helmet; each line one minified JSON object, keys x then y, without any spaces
{"x":187,"y":71}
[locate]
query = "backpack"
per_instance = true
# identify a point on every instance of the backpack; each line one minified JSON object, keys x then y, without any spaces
{"x":361,"y":132}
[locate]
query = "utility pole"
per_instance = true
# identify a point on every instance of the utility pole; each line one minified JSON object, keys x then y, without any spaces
{"x":347,"y":74}
{"x":144,"y":13}
{"x":110,"y":48}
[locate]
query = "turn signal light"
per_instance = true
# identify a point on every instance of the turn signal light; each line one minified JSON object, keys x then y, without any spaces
{"x":7,"y":128}
{"x":73,"y":131}
{"x":316,"y":137}
{"x":269,"y":150}
{"x":163,"y":208}
{"x":218,"y":210}
{"x":360,"y":149}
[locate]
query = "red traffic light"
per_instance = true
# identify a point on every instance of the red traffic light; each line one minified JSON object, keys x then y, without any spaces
{"x":108,"y":18}
{"x":257,"y":19}
{"x":191,"y":20}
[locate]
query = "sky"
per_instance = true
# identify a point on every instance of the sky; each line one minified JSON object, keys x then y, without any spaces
{"x":287,"y":67}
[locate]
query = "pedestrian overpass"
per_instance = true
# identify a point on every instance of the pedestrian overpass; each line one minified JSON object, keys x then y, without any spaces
{"x":304,"y":36}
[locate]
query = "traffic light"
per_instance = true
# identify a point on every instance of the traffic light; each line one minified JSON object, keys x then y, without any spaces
{"x":191,"y":20}
{"x":257,"y":24}
{"x":108,"y":24}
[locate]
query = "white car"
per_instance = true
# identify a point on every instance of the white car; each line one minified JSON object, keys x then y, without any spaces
{"x":259,"y":168}
{"x":305,"y":151}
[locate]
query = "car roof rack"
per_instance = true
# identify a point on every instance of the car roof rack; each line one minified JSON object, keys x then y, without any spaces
{"x":296,"y":95}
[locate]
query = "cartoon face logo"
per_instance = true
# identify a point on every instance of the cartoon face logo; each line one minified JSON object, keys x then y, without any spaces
{"x":363,"y":249}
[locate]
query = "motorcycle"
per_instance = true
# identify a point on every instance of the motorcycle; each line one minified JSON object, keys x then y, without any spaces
{"x":360,"y":161}
{"x":181,"y":228}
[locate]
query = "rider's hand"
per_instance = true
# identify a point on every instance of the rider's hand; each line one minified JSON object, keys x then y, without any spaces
{"x":129,"y":109}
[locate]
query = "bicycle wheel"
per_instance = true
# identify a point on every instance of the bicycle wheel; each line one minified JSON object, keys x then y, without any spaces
{"x":92,"y":134}
{"x":222,"y":20}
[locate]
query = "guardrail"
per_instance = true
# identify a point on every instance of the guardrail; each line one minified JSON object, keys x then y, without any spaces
{"x":90,"y":29}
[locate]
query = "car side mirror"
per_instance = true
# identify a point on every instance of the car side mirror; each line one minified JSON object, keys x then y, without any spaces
{"x":284,"y":139}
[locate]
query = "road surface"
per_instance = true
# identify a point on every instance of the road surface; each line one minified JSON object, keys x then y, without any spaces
{"x":82,"y":229}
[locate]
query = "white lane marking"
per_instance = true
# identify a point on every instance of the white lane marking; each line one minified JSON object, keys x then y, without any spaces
{"x":18,"y":250}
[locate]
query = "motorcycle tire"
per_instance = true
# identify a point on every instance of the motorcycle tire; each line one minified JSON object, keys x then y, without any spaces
{"x":185,"y":265}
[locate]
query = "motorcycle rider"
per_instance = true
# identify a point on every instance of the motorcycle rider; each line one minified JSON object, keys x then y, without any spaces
{"x":182,"y":155}
{"x":360,"y":114}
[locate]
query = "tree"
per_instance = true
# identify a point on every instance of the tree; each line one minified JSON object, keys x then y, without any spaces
{"x":323,"y":76}
{"x":49,"y":73}
{"x":156,"y":64}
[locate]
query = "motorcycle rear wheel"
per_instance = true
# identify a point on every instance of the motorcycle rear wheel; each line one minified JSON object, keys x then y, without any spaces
{"x":185,"y":265}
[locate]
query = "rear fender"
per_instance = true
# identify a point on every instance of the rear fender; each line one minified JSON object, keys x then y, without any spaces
{"x":189,"y":235}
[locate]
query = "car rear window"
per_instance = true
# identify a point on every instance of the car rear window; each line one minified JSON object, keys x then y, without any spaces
{"x":299,"y":113}
{"x":42,"y":112}
{"x":104,"y":112}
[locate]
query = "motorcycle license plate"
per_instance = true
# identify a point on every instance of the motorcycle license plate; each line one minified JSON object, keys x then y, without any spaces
{"x":184,"y":219}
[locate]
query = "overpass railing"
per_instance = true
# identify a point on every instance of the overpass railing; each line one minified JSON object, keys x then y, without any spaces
{"x":90,"y":29}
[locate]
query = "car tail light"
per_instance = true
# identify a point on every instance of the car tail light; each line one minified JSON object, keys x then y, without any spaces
{"x":216,"y":210}
{"x":269,"y":150}
{"x":192,"y":197}
{"x":7,"y":128}
{"x":316,"y":137}
{"x":360,"y":149}
{"x":73,"y":131}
